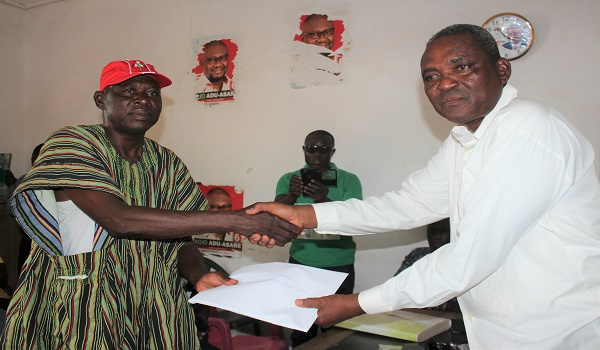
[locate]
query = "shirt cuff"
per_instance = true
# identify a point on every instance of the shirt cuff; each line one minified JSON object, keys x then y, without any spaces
{"x":370,"y":301}
{"x":327,"y":218}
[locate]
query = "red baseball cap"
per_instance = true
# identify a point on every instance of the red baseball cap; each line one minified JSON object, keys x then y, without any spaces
{"x":118,"y":71}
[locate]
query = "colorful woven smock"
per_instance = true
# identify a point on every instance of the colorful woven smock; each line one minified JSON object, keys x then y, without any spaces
{"x":126,"y":293}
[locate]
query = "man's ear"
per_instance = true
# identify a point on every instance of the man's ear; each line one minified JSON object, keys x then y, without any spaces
{"x":99,"y":99}
{"x":504,"y":70}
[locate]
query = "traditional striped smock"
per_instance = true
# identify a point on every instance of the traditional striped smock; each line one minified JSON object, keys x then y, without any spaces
{"x":126,"y":293}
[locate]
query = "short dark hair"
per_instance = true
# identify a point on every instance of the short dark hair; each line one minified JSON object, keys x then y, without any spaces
{"x":480,"y":35}
{"x":313,"y":17}
{"x":320,"y":133}
{"x":214,"y":43}
{"x":217,"y":190}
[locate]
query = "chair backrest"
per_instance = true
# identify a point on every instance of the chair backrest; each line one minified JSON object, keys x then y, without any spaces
{"x":220,"y":333}
{"x":220,"y":336}
{"x":220,"y":330}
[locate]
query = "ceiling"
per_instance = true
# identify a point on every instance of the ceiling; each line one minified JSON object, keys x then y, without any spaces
{"x":27,"y":4}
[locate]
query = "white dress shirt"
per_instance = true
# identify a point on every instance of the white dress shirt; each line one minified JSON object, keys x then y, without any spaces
{"x":524,"y":204}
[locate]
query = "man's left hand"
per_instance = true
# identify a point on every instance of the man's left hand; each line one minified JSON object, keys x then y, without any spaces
{"x":333,"y":309}
{"x":317,"y":191}
{"x":214,"y":279}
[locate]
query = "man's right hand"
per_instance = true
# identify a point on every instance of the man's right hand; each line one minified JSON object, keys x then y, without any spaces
{"x":271,"y":229}
{"x":296,"y":185}
{"x":294,"y":191}
{"x":300,"y":215}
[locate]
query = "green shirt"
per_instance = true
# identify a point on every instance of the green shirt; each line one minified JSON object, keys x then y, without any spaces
{"x":325,"y":253}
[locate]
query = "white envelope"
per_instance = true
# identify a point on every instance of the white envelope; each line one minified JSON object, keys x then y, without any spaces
{"x":268,"y":291}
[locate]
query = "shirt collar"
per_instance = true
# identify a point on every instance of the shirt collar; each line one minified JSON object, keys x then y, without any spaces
{"x":465,"y":137}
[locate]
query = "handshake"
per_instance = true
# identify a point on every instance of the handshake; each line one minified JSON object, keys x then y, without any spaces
{"x":274,"y":224}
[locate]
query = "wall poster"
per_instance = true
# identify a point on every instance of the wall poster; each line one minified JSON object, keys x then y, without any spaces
{"x":214,"y":69}
{"x":317,"y":50}
{"x":225,"y":244}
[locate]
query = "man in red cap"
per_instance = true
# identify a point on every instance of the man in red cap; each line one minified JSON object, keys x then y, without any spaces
{"x":110,"y":213}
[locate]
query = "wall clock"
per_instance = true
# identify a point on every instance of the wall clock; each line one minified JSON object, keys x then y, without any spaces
{"x":513,"y":33}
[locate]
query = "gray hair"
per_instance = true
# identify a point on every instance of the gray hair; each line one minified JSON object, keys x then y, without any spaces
{"x":480,"y":35}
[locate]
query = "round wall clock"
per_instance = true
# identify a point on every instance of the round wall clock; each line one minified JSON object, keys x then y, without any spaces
{"x":513,"y":33}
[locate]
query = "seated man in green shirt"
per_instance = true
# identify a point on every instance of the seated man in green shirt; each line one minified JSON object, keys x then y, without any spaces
{"x":332,"y":253}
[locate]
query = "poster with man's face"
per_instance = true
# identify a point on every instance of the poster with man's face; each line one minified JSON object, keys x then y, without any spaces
{"x":214,"y":69}
{"x":317,"y":51}
{"x":226,"y":244}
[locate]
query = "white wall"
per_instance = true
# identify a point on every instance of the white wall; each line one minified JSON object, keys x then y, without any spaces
{"x":12,"y":82}
{"x":51,"y":57}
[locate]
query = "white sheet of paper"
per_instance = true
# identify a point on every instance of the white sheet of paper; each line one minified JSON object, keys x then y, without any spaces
{"x":268,"y":291}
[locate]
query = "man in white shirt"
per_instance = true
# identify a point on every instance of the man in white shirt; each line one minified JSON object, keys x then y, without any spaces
{"x":519,"y":185}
